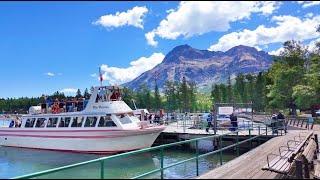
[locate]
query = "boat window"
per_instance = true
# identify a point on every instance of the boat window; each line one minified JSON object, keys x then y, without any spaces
{"x":106,"y":121}
{"x":130,"y":114}
{"x":41,"y":122}
{"x":77,"y":122}
{"x":30,"y":123}
{"x":33,"y":121}
{"x":124,"y":119}
{"x":65,"y":121}
{"x":90,"y":122}
{"x":52,"y":122}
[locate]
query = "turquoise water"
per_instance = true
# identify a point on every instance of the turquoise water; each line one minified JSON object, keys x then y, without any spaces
{"x":21,"y":161}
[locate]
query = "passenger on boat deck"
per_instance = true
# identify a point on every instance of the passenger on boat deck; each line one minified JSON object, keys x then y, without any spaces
{"x":61,"y":124}
{"x":43,"y":123}
{"x":102,"y":94}
{"x":11,"y":124}
{"x":17,"y":122}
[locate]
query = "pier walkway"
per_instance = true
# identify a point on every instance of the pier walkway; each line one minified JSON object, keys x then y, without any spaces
{"x":248,"y":165}
{"x":175,"y":128}
{"x":180,"y":130}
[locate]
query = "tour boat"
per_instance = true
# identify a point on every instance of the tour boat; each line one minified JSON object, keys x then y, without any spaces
{"x":105,"y":124}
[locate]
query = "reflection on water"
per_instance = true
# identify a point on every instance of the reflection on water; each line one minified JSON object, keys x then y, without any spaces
{"x":20,"y":161}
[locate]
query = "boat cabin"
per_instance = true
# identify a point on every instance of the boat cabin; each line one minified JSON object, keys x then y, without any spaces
{"x":81,"y":121}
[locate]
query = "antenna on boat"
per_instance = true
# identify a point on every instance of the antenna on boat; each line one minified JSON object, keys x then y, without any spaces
{"x":100,"y":76}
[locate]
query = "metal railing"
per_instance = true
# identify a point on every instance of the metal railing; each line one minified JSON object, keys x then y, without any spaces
{"x":162,"y":167}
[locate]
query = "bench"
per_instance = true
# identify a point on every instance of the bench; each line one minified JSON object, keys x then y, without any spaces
{"x":308,"y":155}
{"x":283,"y":161}
{"x":317,"y":170}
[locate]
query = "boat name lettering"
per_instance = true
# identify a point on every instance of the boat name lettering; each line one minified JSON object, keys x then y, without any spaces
{"x":100,"y":107}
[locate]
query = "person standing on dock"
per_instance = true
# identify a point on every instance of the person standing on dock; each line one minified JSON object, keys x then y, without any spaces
{"x":280,"y":121}
{"x":234,"y":122}
{"x":209,"y":120}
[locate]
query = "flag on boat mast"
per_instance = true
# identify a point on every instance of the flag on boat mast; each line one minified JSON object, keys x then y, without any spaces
{"x":100,"y":76}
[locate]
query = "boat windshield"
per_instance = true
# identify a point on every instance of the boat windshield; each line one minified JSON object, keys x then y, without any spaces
{"x":124,"y":118}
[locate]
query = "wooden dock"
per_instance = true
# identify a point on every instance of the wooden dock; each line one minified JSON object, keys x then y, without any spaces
{"x":248,"y":165}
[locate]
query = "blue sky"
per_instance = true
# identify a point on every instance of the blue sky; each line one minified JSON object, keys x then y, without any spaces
{"x":58,"y":46}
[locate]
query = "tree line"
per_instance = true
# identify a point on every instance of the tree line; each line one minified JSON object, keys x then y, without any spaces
{"x":22,"y":104}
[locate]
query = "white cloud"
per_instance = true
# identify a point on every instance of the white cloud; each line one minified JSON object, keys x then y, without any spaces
{"x":133,"y":17}
{"x":312,"y":44}
{"x":306,"y":4}
{"x":150,"y":38}
{"x":116,"y":75}
{"x":93,"y":75}
{"x":277,"y":51}
{"x":309,"y":15}
{"x":287,"y":28}
{"x":69,"y":91}
{"x":196,"y":18}
{"x":50,"y":74}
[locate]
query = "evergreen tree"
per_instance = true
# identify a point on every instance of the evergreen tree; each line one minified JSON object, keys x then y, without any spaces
{"x":143,"y":96}
{"x":78,"y":94}
{"x":157,"y":98}
{"x":215,"y":93}
{"x":91,"y":89}
{"x":259,"y":96}
{"x":148,"y":99}
{"x":171,"y":96}
{"x":57,"y":95}
{"x":86,"y":94}
{"x":240,"y":93}
{"x":229,"y":91}
{"x":128,"y":95}
{"x":250,"y":79}
{"x":224,"y":95}
{"x":192,"y":96}
{"x":184,"y":95}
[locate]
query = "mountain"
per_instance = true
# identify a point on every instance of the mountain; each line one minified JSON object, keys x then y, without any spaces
{"x":203,"y":66}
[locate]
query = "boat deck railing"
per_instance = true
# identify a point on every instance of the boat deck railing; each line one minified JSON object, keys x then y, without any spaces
{"x":262,"y":132}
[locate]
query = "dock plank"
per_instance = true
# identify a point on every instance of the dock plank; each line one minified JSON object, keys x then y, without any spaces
{"x":249,"y":165}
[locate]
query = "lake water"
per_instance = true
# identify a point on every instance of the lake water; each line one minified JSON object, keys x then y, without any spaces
{"x":21,"y":161}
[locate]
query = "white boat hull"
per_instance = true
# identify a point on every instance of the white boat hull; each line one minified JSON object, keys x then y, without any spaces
{"x":89,"y":140}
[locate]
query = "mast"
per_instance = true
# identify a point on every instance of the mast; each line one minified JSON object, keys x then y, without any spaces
{"x":100,"y":76}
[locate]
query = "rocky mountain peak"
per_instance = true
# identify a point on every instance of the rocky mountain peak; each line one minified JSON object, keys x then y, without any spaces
{"x":186,"y":52}
{"x":241,"y":49}
{"x":204,"y":67}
